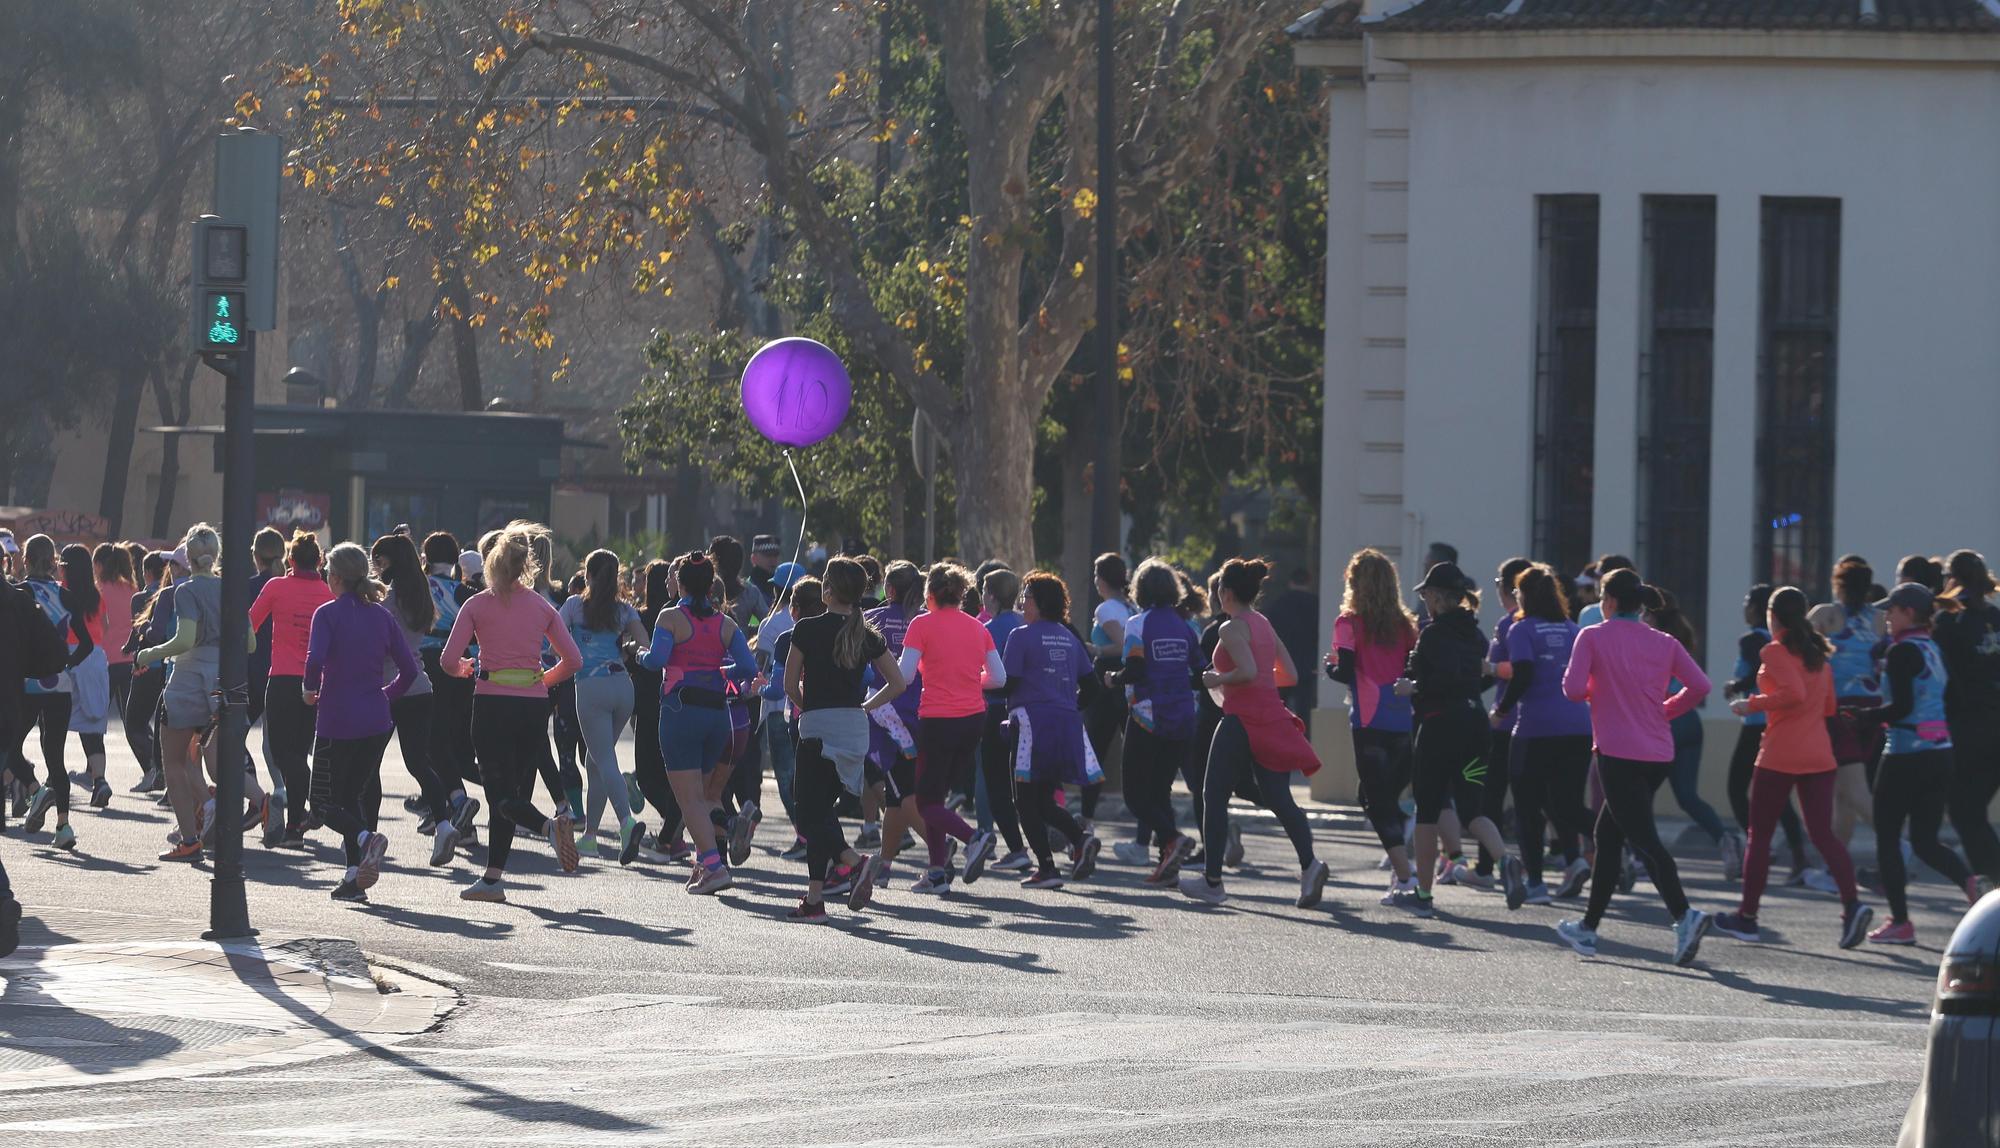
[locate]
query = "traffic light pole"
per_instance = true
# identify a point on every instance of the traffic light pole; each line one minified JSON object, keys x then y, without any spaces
{"x":228,"y":906}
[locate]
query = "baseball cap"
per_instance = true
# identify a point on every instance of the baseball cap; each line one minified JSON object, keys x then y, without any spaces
{"x":1911,"y":596}
{"x":7,"y":543}
{"x":471,"y":565}
{"x":765,"y":544}
{"x":179,"y":557}
{"x":786,"y":574}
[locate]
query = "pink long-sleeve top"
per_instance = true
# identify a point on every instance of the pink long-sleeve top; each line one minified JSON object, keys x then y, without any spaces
{"x":1623,"y":667}
{"x":509,"y":631}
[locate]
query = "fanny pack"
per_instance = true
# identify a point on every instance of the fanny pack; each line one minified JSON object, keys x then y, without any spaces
{"x":702,"y":698}
{"x":512,"y":677}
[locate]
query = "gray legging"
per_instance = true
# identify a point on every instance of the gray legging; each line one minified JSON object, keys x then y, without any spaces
{"x":603,"y":708}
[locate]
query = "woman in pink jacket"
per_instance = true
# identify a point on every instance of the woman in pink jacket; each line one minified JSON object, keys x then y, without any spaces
{"x":1623,"y":667}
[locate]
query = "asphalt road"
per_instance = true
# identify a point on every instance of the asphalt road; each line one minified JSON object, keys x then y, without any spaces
{"x":612,"y":1007}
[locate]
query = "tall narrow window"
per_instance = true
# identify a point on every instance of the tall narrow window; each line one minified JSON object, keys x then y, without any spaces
{"x":1565,"y":378}
{"x":1797,"y":352}
{"x":1676,"y":397}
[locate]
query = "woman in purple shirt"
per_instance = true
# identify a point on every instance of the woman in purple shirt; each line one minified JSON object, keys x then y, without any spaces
{"x":351,"y":637}
{"x":1551,"y":733}
{"x":1045,"y":663}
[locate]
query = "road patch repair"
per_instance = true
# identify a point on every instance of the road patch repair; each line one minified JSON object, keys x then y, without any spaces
{"x":105,"y":998}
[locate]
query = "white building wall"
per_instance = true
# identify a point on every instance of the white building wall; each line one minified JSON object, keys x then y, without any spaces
{"x":1909,"y":151}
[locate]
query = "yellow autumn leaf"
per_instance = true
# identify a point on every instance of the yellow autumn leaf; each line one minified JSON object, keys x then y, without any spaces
{"x":1076,"y":272}
{"x":1085,"y":202}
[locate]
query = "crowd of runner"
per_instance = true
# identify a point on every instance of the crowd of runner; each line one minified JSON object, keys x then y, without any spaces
{"x":890,"y":703}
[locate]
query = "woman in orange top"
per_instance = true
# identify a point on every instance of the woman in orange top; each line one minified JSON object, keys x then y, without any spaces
{"x":1796,"y":698}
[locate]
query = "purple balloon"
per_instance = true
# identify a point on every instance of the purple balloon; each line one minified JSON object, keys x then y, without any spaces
{"x":796,"y":391}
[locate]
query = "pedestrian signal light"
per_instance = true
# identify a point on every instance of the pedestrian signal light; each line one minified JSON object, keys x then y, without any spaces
{"x":223,"y":311}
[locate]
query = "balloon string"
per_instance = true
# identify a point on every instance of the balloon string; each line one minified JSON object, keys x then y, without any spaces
{"x":799,"y":550}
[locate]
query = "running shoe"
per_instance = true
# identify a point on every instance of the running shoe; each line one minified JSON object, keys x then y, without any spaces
{"x":1538,"y":894}
{"x":294,"y":839}
{"x":909,"y":840}
{"x":148,"y":782}
{"x":978,"y":852}
{"x":444,"y":844}
{"x":630,"y":835}
{"x":1086,"y":858}
{"x":1044,"y":877}
{"x":1688,"y":932}
{"x":741,"y":830}
{"x":463,"y":810}
{"x":562,"y":838}
{"x":1407,"y":886}
{"x":274,"y":823}
{"x":1514,"y":876}
{"x":881,"y":871}
{"x":256,"y":812}
{"x":1854,"y":923}
{"x":1583,"y":940}
{"x":1414,"y":902}
{"x":65,"y":838}
{"x":1198,"y":886}
{"x":1575,"y":876}
{"x":79,"y":778}
{"x":21,"y":792}
{"x":870,"y":837}
{"x":427,"y":826}
{"x":162,"y":799}
{"x":863,"y":889}
{"x":709,"y":881}
{"x":1312,"y":884}
{"x":634,"y":796}
{"x":1171,"y":860}
{"x":808,"y":913}
{"x":1017,"y":861}
{"x":413,"y":803}
{"x":1058,"y":843}
{"x":185,"y":851}
{"x":204,"y":823}
{"x":1821,"y":881}
{"x":350,"y":891}
{"x":1894,"y":933}
{"x":586,"y":845}
{"x":839,"y":880}
{"x":1131,"y":853}
{"x":957,"y":802}
{"x":1232,"y":856}
{"x":1456,"y":873}
{"x":1733,"y":847}
{"x":796,"y":853}
{"x":1473,"y":879}
{"x":100,"y":794}
{"x":373,"y":851}
{"x":485,"y":889}
{"x":1736,"y":925}
{"x":936,"y":882}
{"x":37,"y":813}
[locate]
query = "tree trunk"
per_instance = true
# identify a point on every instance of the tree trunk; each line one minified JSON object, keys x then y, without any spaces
{"x":417,"y":336}
{"x":173,"y":414}
{"x":465,"y":346}
{"x":118,"y":454}
{"x":1076,"y":512}
{"x":994,"y":455}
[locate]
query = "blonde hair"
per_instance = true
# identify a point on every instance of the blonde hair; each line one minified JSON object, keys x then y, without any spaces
{"x":204,"y":548}
{"x":510,"y":558}
{"x":1373,"y":596}
{"x":347,"y":569}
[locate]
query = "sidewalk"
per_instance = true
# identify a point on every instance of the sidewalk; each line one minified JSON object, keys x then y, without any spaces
{"x":110,"y":998}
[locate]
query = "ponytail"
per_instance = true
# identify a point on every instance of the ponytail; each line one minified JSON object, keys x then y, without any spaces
{"x":1793,"y":629}
{"x":846,"y":582}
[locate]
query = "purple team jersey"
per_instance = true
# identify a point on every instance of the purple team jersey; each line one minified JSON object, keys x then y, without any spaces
{"x":1045,"y":661}
{"x":1543,"y":710}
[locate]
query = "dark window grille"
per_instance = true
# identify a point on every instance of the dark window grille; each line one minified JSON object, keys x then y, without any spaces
{"x":1797,"y":352}
{"x":1677,"y":399}
{"x":1565,"y":378}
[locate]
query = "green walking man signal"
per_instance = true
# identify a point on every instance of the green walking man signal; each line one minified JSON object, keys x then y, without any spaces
{"x":224,"y":310}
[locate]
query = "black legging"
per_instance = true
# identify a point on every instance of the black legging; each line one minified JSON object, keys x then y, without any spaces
{"x":413,"y":714}
{"x":1101,"y":721}
{"x":1229,"y":758}
{"x":746,"y":774}
{"x":1151,"y":763}
{"x":121,"y":686}
{"x":346,"y":769}
{"x":815,"y":797}
{"x":1975,"y":777}
{"x":1450,"y":769}
{"x":1493,"y":800}
{"x":1554,"y":774}
{"x":1036,"y":801}
{"x":1627,"y":820}
{"x":52,"y":711}
{"x":288,"y":722}
{"x":1382,"y":762}
{"x":510,"y":735}
{"x":996,"y":764}
{"x":1742,"y":766}
{"x":1913,"y":786}
{"x":451,"y":725}
{"x":139,"y":706}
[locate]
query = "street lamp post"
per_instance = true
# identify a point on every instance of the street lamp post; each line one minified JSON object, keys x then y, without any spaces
{"x":1106,"y":516}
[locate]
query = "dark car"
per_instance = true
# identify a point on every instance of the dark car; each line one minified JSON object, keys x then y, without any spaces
{"x":1958,"y":1102}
